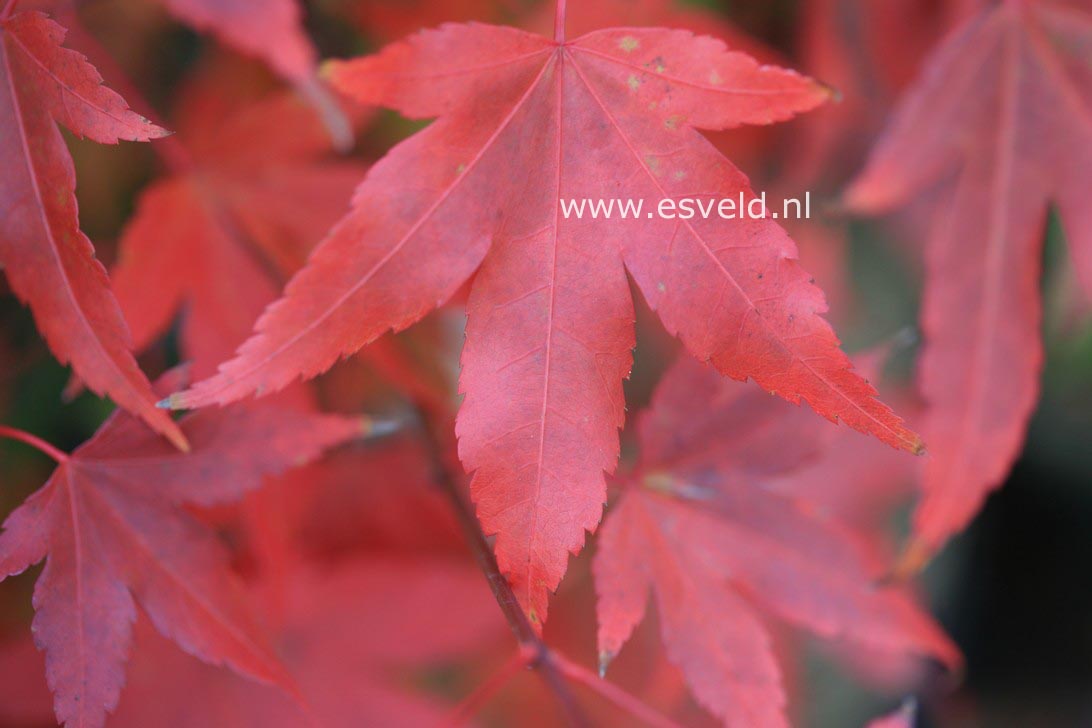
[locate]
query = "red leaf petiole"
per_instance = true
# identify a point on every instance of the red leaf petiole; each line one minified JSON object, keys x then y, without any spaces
{"x":34,"y":441}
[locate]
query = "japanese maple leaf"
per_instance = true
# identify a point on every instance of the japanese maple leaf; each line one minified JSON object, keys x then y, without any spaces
{"x":111,"y":526}
{"x":1001,"y":121}
{"x":271,"y":30}
{"x":350,"y":634}
{"x":697,"y":527}
{"x":869,"y":50}
{"x":219,"y":237}
{"x":524,"y":122}
{"x":49,"y":262}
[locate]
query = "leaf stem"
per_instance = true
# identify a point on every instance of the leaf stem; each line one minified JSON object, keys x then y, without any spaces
{"x":329,"y":112}
{"x":538,"y":655}
{"x":559,"y":22}
{"x":612,"y":692}
{"x":34,"y":441}
{"x":473,"y":703}
{"x":9,"y":9}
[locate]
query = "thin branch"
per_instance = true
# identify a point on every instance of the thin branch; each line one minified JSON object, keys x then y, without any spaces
{"x":35,"y":442}
{"x":540,"y":658}
{"x":472,"y":704}
{"x":612,"y":692}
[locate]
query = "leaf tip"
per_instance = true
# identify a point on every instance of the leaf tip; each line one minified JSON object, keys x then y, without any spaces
{"x":371,"y":427}
{"x":915,"y":555}
{"x":605,"y":658}
{"x":179,"y":440}
{"x":833,"y":94}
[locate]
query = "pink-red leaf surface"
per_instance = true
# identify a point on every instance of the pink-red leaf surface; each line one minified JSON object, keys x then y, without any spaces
{"x":350,"y":634}
{"x":271,"y":30}
{"x":111,"y":525}
{"x":1001,"y":121}
{"x":523,"y":122}
{"x":697,"y":527}
{"x":218,"y":237}
{"x":48,"y":261}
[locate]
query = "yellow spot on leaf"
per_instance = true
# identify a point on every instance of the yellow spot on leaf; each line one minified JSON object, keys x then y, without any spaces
{"x":629,"y":44}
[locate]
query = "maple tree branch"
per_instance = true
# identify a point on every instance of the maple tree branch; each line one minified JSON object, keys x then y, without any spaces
{"x":34,"y":441}
{"x":473,"y":703}
{"x":612,"y":692}
{"x":537,"y":655}
{"x":559,"y":22}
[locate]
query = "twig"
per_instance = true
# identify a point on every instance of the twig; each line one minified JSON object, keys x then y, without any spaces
{"x":612,"y":692}
{"x":35,"y":442}
{"x":539,"y":656}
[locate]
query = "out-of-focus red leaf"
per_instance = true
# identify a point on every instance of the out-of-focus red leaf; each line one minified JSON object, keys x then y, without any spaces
{"x":375,"y":498}
{"x":221,"y":234}
{"x":271,"y":30}
{"x":1000,"y":122}
{"x":352,"y":636}
{"x":698,"y":528}
{"x":868,"y":50}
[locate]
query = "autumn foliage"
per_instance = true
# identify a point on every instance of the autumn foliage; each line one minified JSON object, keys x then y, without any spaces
{"x":416,"y":392}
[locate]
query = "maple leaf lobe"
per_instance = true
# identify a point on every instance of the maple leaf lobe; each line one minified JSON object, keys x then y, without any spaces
{"x":995,"y":130}
{"x":49,"y":262}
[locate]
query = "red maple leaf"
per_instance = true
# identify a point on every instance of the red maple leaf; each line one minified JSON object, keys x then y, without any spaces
{"x":525,"y":121}
{"x":869,"y":50}
{"x":49,"y":262}
{"x":271,"y":30}
{"x":1001,"y":123}
{"x":111,"y":526}
{"x":697,"y":527}
{"x":351,"y":634}
{"x":245,"y":203}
